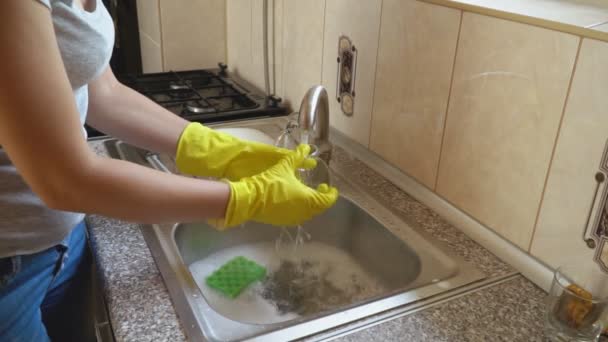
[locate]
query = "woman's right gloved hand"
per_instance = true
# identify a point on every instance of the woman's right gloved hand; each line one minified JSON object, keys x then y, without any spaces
{"x":203,"y":151}
{"x":276,"y":196}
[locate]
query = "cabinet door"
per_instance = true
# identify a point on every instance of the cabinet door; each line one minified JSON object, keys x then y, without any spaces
{"x":571,"y":184}
{"x":508,"y":93}
{"x":360,"y":22}
{"x":415,"y":60}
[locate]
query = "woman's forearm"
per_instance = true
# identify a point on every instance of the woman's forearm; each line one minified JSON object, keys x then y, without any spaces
{"x":43,"y":135}
{"x":127,"y":115}
{"x":124,"y":190}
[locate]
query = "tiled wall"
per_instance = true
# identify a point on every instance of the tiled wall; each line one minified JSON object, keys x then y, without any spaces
{"x":504,"y":120}
{"x":244,"y":40}
{"x":149,"y":35}
{"x":508,"y":92}
{"x":299,"y":48}
{"x":412,"y":85}
{"x":581,"y":141}
{"x":176,"y":36}
{"x":344,"y":18}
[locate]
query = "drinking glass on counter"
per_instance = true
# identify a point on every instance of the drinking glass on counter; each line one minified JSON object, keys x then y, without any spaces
{"x":576,"y":304}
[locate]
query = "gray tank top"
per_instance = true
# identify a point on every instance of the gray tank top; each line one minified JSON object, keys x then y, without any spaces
{"x":85,"y":40}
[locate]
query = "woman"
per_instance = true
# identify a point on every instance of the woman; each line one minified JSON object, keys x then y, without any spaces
{"x":53,"y":74}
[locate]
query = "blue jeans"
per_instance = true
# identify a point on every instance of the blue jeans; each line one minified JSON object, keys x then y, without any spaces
{"x":41,"y":294}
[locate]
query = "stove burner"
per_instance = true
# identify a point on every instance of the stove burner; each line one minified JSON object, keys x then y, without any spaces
{"x":180,"y":90}
{"x":202,"y":95}
{"x":174,"y":86}
{"x":195,"y":107}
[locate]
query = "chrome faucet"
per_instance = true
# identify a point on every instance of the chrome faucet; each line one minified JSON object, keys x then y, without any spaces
{"x":313,"y":122}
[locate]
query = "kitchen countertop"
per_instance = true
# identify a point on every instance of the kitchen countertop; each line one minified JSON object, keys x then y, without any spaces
{"x":510,"y":309}
{"x":580,"y":17}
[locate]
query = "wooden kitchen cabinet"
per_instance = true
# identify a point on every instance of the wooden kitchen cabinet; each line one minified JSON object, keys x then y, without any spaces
{"x":508,"y":93}
{"x":360,"y":23}
{"x":571,"y":184}
{"x":415,"y":59}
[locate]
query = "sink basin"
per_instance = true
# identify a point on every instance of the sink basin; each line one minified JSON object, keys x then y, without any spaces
{"x":361,"y":260}
{"x":378,"y":262}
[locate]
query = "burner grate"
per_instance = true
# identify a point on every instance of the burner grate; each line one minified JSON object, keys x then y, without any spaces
{"x":201,"y":93}
{"x":211,"y":95}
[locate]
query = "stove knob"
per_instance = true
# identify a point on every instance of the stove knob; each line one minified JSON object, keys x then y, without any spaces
{"x":274,"y":101}
{"x":223,"y":68}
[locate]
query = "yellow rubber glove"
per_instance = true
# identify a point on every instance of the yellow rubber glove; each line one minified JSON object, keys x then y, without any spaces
{"x":277,"y":196}
{"x":202,"y":151}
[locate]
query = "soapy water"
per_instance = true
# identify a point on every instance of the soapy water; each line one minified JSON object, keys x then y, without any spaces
{"x":303,"y":278}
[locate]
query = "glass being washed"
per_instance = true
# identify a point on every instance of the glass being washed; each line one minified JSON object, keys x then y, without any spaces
{"x":312,"y":178}
{"x":576,"y":304}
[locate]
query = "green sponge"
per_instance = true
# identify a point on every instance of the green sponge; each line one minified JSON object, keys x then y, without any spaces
{"x":235,"y":275}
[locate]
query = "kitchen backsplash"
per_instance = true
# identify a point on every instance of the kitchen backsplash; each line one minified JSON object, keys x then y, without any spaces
{"x":178,"y":36}
{"x":503,"y":119}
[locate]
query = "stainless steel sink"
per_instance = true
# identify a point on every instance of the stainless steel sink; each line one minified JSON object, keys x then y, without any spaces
{"x":406,"y":265}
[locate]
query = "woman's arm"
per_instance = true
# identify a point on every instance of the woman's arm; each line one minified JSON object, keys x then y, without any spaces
{"x":40,"y":131}
{"x":122,"y":112}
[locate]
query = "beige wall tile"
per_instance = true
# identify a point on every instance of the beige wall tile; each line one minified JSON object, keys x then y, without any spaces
{"x":151,"y":55}
{"x":508,"y":92}
{"x":193,"y":33}
{"x":415,"y":60}
{"x":571,"y":184}
{"x":245,"y":40}
{"x":361,"y":23}
{"x":277,"y":50}
{"x":302,"y":46}
{"x":148,"y":19}
{"x":257,"y":43}
{"x":238,"y":36}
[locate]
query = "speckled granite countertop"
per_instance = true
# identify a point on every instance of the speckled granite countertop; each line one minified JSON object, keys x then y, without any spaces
{"x":508,"y":311}
{"x":140,"y":307}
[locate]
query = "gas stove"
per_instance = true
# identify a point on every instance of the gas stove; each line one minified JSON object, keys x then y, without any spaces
{"x":205,"y":96}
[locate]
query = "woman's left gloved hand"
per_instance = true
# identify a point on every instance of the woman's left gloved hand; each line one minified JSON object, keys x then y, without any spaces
{"x":202,"y":151}
{"x":276,"y":196}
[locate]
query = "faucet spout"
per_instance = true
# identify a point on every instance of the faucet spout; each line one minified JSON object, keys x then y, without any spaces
{"x":313,"y":121}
